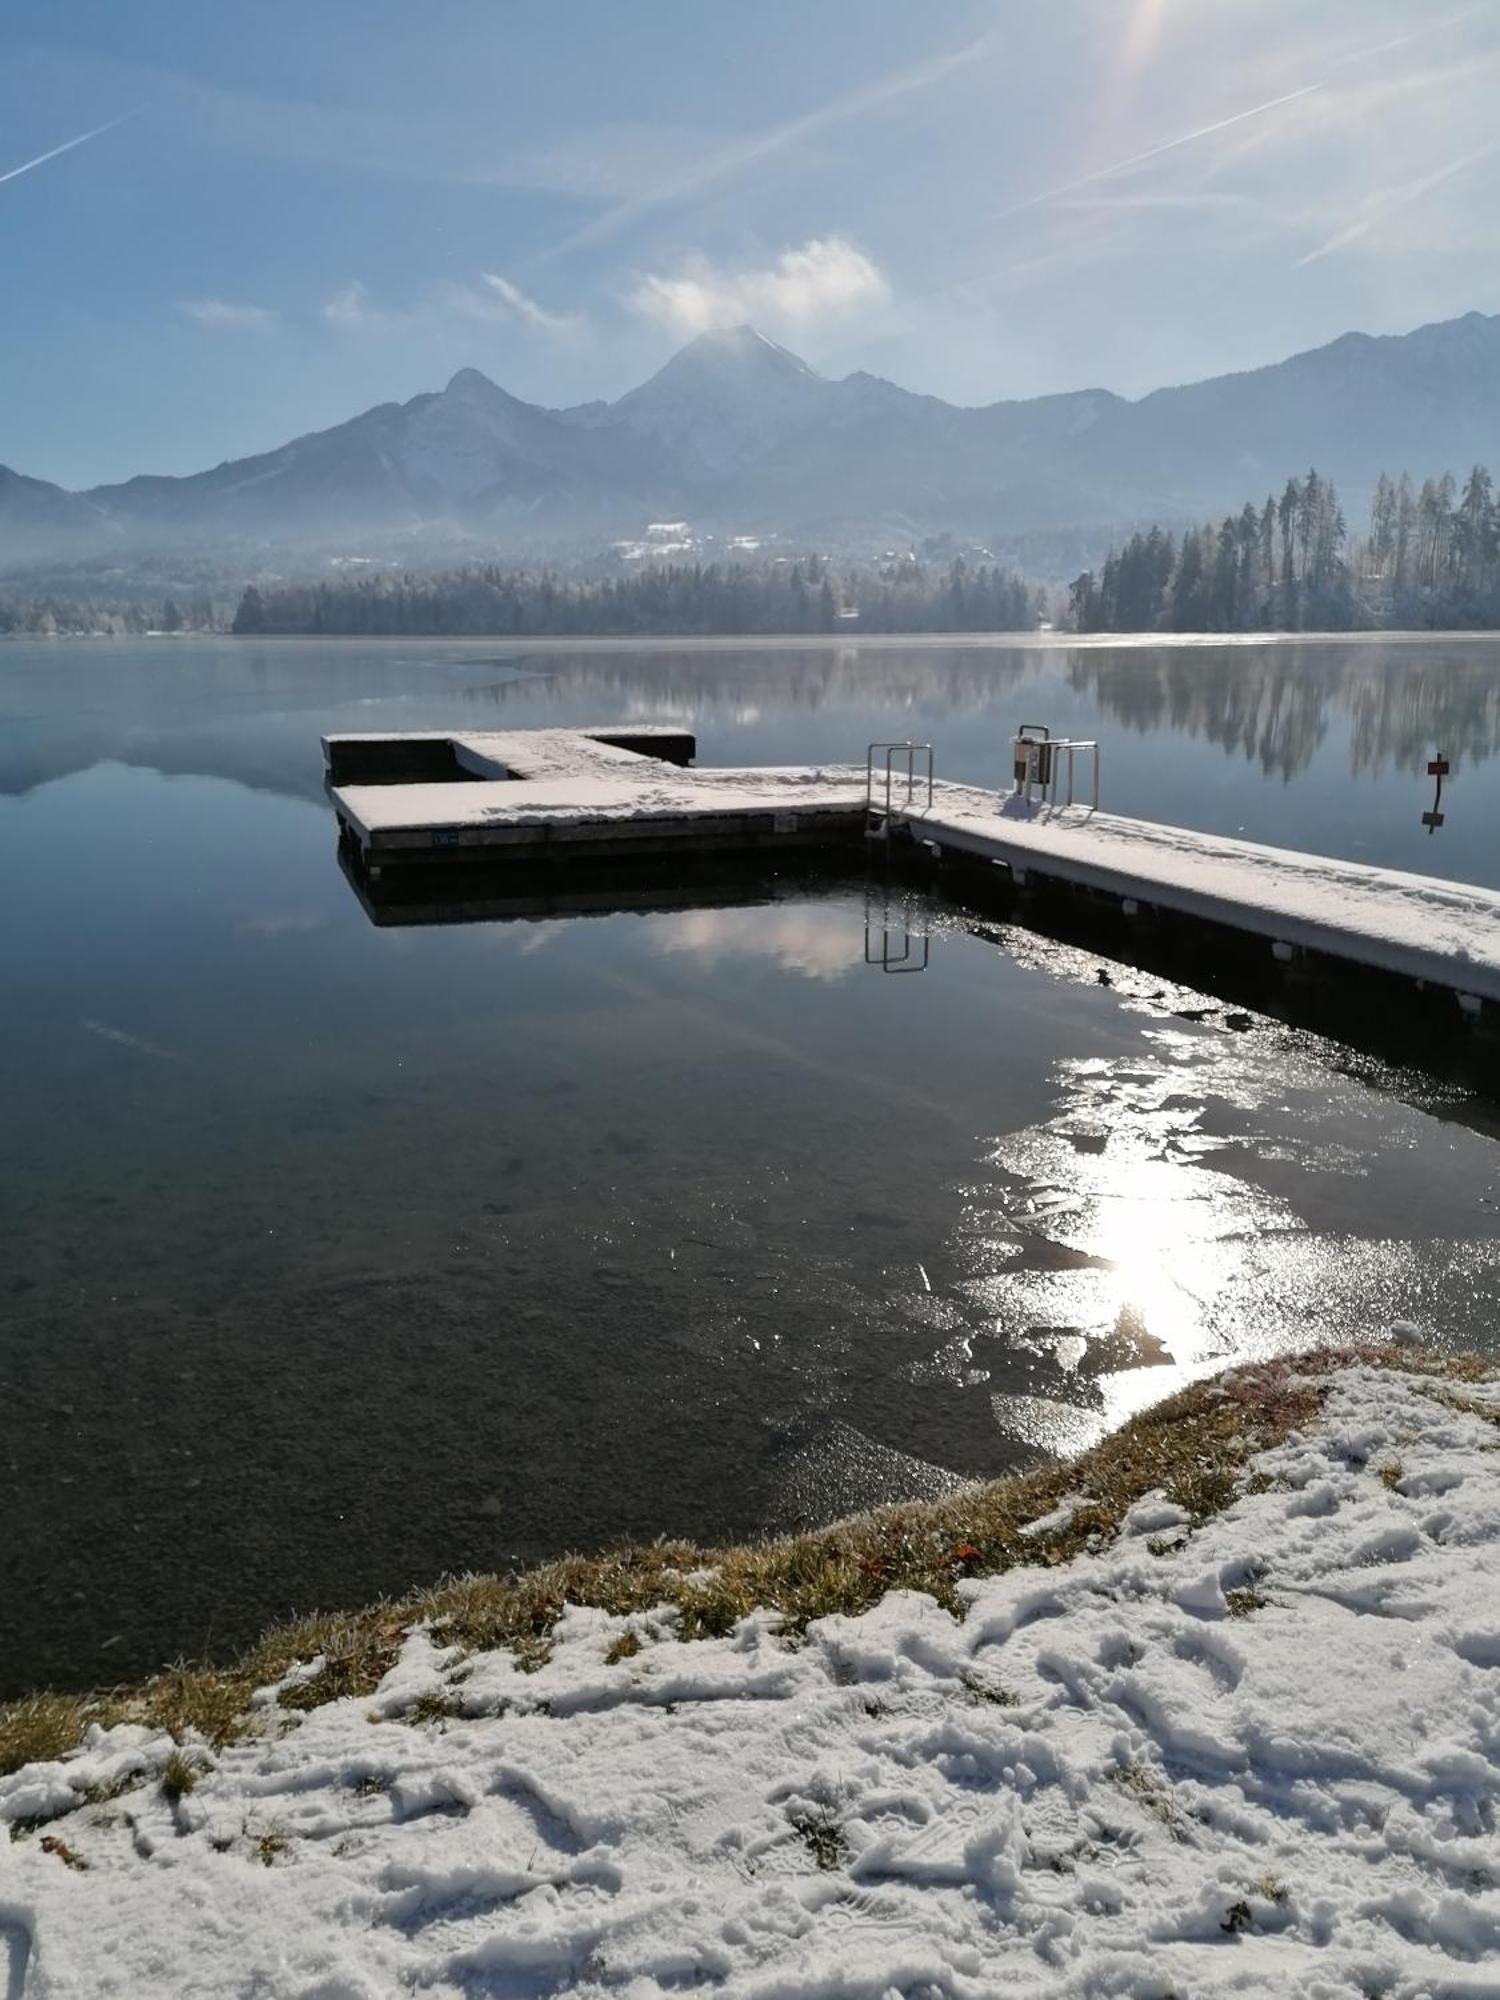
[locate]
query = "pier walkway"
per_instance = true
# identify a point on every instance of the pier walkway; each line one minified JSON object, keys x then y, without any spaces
{"x":553,"y":795}
{"x":1417,"y":926}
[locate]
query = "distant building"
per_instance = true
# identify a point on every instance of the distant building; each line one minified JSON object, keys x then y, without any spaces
{"x":662,"y":538}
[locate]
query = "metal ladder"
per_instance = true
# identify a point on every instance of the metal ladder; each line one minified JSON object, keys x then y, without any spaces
{"x":912,"y":778}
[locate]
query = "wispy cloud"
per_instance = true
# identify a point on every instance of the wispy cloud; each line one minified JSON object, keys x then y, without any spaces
{"x":355,"y":311}
{"x":67,"y":146}
{"x":519,"y":305}
{"x":1380,"y":207}
{"x":821,"y":279}
{"x":224,"y":315}
{"x":1178,"y":199}
{"x":488,"y":300}
{"x":755,"y":149}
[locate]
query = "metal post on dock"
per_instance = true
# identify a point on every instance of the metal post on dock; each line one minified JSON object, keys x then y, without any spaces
{"x":1038,"y":759}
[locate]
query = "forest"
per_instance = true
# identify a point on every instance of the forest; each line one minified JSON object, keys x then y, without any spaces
{"x":50,"y":613}
{"x":1427,"y":557}
{"x":1430,"y":557}
{"x":805,"y":596}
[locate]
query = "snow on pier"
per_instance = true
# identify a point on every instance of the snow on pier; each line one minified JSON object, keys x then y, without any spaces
{"x":510,"y":797}
{"x":525,"y":788}
{"x":1442,"y":933}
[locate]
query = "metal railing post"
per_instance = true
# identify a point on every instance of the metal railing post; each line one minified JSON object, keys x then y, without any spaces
{"x":892,"y":751}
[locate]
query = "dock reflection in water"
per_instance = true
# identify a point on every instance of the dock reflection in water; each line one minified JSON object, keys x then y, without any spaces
{"x":1230,"y":1188}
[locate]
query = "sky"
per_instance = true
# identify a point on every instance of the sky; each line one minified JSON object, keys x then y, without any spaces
{"x":222,"y":226}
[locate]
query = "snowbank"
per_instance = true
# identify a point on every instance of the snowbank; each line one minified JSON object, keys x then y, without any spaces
{"x":1257,"y":1756}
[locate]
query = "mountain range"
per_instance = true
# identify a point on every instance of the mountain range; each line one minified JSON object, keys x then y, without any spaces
{"x":738,"y":436}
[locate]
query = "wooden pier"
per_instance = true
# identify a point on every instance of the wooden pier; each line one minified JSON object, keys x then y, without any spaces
{"x":526,"y":804}
{"x":543,"y":794}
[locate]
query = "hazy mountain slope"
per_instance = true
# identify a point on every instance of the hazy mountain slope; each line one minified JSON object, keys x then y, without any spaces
{"x":1422,"y":401}
{"x":737,"y":433}
{"x":881,"y":453}
{"x":38,"y":519}
{"x":1425,"y":400}
{"x":471,"y":450}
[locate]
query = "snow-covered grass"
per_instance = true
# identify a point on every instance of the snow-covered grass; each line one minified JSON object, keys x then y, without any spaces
{"x":1216,"y":1707}
{"x":1192,"y":1446}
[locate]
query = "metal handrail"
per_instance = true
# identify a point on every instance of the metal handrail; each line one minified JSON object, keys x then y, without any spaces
{"x":892,"y":751}
{"x":1070,"y":745}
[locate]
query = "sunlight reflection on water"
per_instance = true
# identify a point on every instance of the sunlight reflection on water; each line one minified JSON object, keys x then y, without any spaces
{"x":411,"y":1250}
{"x":1153,"y":1227}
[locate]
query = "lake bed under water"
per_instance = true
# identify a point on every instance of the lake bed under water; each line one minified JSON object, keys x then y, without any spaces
{"x":339,"y":1257}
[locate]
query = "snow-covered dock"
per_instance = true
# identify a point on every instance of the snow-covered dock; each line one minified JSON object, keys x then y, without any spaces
{"x":510,"y":798}
{"x":617,"y":790}
{"x":1443,"y":934}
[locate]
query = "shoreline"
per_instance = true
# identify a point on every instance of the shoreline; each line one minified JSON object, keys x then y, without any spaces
{"x":1093,"y":642}
{"x":1193,"y":1445}
{"x":1222,"y":1717}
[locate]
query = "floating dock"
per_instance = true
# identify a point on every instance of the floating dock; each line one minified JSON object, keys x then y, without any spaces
{"x":527,"y":800}
{"x":538,"y":794}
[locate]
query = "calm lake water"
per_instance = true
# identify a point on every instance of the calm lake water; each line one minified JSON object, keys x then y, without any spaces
{"x":338,"y":1257}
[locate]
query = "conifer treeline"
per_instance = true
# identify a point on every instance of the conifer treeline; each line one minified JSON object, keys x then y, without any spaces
{"x":50,"y":614}
{"x":1431,"y":557}
{"x":660,"y":599}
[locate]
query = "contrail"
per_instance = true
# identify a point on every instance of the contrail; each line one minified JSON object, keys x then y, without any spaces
{"x":1415,"y":35}
{"x":1235,"y":118}
{"x":1155,"y":152}
{"x":1191,"y":138}
{"x":15,"y":173}
{"x":1107,"y":173}
{"x":1395,"y":199}
{"x":752,"y":151}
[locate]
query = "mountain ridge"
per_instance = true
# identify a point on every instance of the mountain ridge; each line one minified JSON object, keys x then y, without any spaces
{"x":737,"y":433}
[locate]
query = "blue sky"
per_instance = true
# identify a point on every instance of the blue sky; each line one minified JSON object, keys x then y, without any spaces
{"x":308,"y":208}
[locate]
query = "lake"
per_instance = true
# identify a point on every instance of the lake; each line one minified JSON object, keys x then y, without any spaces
{"x":339,"y":1257}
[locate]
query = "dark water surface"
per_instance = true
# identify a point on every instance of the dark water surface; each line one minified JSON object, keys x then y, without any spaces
{"x":333,"y":1257}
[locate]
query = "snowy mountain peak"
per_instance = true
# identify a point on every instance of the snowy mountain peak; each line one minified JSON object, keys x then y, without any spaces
{"x":731,"y":354}
{"x":748,"y":346}
{"x":723,"y":401}
{"x":470,"y":386}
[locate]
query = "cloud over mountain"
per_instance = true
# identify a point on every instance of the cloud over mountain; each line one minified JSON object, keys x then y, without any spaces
{"x":824,"y":278}
{"x":739,"y":435}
